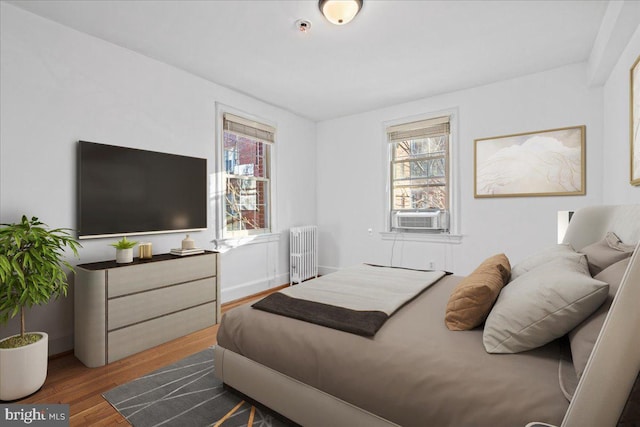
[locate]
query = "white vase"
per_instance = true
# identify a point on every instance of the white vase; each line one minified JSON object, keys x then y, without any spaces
{"x":124,"y":256}
{"x":23,"y":370}
{"x":188,"y":243}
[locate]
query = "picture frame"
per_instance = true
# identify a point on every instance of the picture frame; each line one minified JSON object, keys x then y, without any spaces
{"x":541,"y":163}
{"x":634,"y":123}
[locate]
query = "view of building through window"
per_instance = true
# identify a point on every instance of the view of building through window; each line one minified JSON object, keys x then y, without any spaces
{"x":420,"y":175}
{"x":247,"y":183}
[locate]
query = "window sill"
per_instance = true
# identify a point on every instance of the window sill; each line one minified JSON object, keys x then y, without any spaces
{"x":223,"y":245}
{"x":454,"y":239}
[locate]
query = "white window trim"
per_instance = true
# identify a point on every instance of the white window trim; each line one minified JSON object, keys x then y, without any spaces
{"x":225,"y":244}
{"x":217,"y":190}
{"x":421,"y":237}
{"x":454,"y":235}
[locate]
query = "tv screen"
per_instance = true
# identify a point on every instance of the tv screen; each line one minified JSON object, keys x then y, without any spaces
{"x":130,"y":191}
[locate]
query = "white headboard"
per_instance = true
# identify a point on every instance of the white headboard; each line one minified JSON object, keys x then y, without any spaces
{"x":589,"y":225}
{"x":615,"y":360}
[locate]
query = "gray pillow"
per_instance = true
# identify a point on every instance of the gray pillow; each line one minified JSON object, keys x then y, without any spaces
{"x":542,"y":305}
{"x":606,"y":252}
{"x":552,"y":253}
{"x":583,"y":337}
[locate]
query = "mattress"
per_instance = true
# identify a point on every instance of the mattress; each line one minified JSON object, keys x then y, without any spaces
{"x":414,"y":372}
{"x":357,"y":299}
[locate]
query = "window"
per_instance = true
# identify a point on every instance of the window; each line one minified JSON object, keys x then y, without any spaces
{"x":420,"y":175}
{"x":247,"y":176}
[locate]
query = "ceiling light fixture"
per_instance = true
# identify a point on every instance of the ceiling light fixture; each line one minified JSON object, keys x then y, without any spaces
{"x":340,"y":12}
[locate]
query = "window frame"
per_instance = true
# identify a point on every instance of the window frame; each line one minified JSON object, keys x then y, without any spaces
{"x":394,"y":161}
{"x":453,"y":233}
{"x":218,"y":190}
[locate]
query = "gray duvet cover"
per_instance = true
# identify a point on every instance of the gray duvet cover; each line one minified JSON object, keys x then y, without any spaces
{"x":414,"y":372}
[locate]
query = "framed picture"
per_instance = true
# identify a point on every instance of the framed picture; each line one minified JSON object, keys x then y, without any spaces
{"x":634,"y":122}
{"x":544,"y":163}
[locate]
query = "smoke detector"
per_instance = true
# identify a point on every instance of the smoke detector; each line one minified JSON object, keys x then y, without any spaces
{"x":303,"y":25}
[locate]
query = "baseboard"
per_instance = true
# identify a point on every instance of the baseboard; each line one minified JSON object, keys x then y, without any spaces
{"x":322,"y":270}
{"x":247,"y":289}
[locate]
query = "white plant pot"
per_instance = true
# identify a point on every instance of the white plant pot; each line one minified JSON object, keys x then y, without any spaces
{"x":23,"y":370}
{"x":124,"y":256}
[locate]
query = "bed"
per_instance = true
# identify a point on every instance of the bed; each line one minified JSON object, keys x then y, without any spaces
{"x":415,"y":371}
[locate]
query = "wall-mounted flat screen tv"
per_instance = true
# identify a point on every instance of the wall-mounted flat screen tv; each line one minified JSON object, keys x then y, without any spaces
{"x":130,"y":191}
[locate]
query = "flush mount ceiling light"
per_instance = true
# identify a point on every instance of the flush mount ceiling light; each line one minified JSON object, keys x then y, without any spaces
{"x":340,"y":12}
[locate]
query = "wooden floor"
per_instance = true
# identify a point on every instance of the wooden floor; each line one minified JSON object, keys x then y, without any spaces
{"x":69,"y":381}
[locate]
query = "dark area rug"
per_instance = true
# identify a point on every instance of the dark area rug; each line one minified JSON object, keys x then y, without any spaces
{"x":187,"y":393}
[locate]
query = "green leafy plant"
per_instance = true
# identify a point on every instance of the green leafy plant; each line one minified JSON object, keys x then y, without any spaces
{"x":32,"y":268}
{"x":124,"y":243}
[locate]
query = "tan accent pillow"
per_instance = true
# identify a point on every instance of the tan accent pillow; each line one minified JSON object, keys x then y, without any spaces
{"x":472,"y":299}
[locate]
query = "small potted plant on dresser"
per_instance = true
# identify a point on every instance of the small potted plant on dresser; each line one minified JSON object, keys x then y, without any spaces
{"x":32,"y":272}
{"x":124,"y":250}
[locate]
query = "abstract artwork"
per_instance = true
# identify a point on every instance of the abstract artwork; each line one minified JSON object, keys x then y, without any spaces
{"x":542,"y":163}
{"x":634,"y":125}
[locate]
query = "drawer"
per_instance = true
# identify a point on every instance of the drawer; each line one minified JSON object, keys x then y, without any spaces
{"x":130,"y":309}
{"x":142,"y":277}
{"x":133,"y":339}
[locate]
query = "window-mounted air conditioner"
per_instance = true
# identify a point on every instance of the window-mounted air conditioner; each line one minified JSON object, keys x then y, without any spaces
{"x":431,"y":219}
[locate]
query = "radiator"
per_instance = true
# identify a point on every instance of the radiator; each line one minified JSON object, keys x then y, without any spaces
{"x":303,"y":250}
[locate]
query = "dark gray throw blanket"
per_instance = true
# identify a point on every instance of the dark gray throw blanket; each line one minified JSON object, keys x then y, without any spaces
{"x":364,"y":323}
{"x":358,"y":300}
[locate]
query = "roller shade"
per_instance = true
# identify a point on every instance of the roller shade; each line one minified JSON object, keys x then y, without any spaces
{"x":249,"y":128}
{"x":420,"y":129}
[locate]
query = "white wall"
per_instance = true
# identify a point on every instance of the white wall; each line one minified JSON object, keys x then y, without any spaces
{"x":616,"y":155}
{"x":59,"y":86}
{"x":351,"y":175}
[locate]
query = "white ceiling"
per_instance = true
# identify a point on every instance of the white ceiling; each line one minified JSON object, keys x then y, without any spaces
{"x":394,"y":51}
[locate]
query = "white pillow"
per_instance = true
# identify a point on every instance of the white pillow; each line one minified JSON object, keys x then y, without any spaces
{"x":542,"y":305}
{"x":552,"y":253}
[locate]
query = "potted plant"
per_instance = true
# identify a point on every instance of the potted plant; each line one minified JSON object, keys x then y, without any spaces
{"x":32,"y":272}
{"x":124,"y":250}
